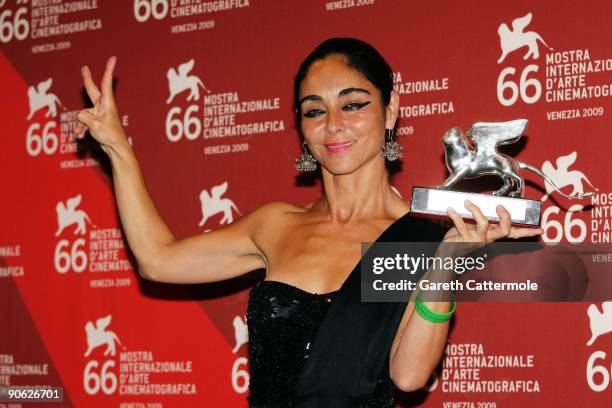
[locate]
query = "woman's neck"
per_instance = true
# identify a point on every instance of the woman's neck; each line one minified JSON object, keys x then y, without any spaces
{"x":365,"y":193}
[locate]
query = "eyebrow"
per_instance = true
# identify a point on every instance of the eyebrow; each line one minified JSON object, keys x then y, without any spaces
{"x":343,"y":92}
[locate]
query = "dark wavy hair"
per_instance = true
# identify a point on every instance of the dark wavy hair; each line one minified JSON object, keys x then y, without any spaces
{"x":360,"y":56}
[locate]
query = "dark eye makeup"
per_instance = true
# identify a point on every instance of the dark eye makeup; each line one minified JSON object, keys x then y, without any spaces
{"x":313,"y":113}
{"x":353,"y":106}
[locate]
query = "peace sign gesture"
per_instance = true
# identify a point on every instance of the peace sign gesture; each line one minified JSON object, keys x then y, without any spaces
{"x":102,"y":120}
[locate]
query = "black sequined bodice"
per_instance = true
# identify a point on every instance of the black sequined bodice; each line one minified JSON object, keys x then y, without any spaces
{"x":282,"y":322}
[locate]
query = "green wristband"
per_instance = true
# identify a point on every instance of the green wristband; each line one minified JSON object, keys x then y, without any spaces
{"x":429,"y":314}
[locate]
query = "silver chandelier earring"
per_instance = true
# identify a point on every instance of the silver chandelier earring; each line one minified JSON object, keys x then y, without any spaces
{"x":391,"y":149}
{"x":306,"y":162}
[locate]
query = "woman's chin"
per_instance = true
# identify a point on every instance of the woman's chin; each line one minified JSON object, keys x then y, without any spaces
{"x":338,"y":169}
{"x":347,"y":165}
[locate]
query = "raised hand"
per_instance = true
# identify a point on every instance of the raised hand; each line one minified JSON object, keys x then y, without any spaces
{"x":485,"y":232}
{"x":102,"y":120}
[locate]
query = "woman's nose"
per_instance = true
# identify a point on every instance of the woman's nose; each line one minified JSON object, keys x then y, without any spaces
{"x":335,"y":121}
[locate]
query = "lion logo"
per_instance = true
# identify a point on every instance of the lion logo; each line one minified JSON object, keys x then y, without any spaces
{"x":510,"y":41}
{"x":97,"y":336}
{"x":39,"y":99}
{"x":213,"y":203}
{"x":68,"y":215}
{"x":600,"y":322}
{"x":477,"y":156}
{"x":179,"y":81}
{"x":563,"y":177}
{"x":241,"y":332}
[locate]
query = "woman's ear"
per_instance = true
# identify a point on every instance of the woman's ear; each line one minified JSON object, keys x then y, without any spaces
{"x":392,"y":110}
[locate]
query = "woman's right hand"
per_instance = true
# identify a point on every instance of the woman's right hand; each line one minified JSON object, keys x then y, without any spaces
{"x":102,"y":120}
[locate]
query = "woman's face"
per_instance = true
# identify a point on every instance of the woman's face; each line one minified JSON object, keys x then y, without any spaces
{"x":342,"y":117}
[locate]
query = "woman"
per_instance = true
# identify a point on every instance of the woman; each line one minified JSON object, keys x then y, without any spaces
{"x":346,"y":109}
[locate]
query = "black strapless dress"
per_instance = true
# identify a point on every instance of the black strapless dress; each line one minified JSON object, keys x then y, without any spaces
{"x":282,"y":321}
{"x":329,"y":350}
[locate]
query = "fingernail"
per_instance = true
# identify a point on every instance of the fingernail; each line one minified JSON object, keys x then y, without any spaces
{"x":468,"y":202}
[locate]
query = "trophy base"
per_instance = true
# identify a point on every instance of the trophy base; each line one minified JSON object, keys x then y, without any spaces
{"x":436,"y":201}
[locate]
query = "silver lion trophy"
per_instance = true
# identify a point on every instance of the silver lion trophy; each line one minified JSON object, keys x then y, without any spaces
{"x":474,"y":155}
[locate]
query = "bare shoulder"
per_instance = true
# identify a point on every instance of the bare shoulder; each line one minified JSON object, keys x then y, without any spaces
{"x":271,"y":215}
{"x":279,"y":208}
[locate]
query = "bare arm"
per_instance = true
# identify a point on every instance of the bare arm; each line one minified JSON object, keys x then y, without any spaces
{"x":419,"y":344}
{"x":213,"y":256}
{"x":218,"y":255}
{"x":417,"y":349}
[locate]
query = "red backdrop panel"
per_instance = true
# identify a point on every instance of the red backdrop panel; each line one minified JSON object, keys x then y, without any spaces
{"x":205,"y":93}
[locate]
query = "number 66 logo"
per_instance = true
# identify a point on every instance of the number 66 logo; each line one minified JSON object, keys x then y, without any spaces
{"x":523,"y":89}
{"x":75,"y":258}
{"x":106,"y":380}
{"x":574,"y":230}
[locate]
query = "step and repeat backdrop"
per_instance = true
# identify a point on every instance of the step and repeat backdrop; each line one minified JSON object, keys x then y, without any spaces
{"x":204,"y":90}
